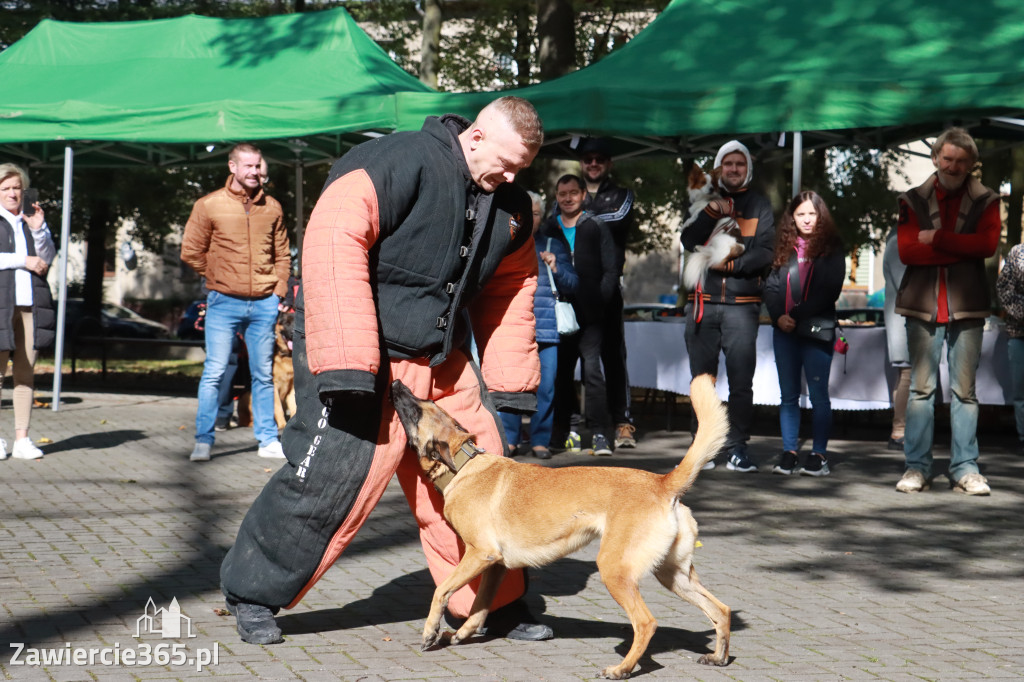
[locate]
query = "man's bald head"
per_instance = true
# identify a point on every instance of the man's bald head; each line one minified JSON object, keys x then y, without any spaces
{"x":503,"y":140}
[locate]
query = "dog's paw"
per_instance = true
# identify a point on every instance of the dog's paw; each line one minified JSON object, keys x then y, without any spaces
{"x":709,"y":659}
{"x":430,"y":638}
{"x":612,"y":672}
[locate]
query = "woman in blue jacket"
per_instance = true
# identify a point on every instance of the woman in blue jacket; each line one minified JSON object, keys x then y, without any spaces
{"x":801,"y":292}
{"x":551,"y":253}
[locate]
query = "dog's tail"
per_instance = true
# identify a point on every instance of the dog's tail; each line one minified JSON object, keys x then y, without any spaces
{"x":712,"y":429}
{"x":696,"y":267}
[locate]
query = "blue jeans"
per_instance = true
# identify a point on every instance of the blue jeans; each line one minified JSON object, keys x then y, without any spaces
{"x":543,"y":418}
{"x":795,"y":357}
{"x":731,"y":329}
{"x":963,"y":340}
{"x":1015,"y":350}
{"x":225,"y":402}
{"x":254,"y":319}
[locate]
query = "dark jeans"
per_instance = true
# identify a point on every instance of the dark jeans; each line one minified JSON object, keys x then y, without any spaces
{"x":584,"y":346}
{"x":613,"y":357}
{"x":731,"y":329}
{"x":796,"y":359}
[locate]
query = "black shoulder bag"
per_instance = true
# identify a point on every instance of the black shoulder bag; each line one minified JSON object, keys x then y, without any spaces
{"x":817,"y":327}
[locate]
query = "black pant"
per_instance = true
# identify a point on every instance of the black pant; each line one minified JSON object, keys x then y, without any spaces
{"x":731,"y":329}
{"x":584,"y":346}
{"x":613,"y":356}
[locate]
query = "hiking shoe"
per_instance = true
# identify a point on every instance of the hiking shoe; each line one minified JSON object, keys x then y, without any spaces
{"x":601,"y":446}
{"x":816,"y":465}
{"x":271,"y":451}
{"x":200,"y":453}
{"x":738,"y":461}
{"x":972,"y":484}
{"x":24,"y":449}
{"x":913,"y":481}
{"x":787,"y":462}
{"x":624,"y":437}
{"x":896,"y":444}
{"x":255,"y":623}
{"x":3,"y":450}
{"x":573,"y":442}
{"x":513,"y":621}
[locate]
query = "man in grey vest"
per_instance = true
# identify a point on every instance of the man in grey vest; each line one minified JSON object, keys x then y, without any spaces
{"x":947,"y":228}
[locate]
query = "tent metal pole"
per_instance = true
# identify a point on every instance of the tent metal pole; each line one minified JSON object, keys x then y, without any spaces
{"x":798,"y":161}
{"x":62,"y":278}
{"x":300,"y":219}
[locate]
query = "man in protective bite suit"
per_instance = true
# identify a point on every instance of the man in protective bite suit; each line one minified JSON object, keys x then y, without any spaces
{"x":418,"y":239}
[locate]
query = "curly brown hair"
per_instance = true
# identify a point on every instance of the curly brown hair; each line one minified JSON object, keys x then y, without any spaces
{"x":824,"y":240}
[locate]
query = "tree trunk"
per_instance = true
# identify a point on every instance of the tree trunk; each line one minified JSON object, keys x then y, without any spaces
{"x":431,"y":47}
{"x":523,"y":40}
{"x":556,"y":33}
{"x":100,"y":218}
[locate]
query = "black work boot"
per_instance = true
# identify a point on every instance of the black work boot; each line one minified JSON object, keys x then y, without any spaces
{"x":255,"y":623}
{"x":512,"y":621}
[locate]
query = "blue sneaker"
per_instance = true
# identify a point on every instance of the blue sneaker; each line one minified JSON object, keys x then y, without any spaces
{"x":738,"y":461}
{"x":573,"y":443}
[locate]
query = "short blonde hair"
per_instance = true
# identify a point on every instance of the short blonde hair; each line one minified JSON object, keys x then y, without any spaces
{"x":9,"y":169}
{"x":958,"y":137}
{"x":243,"y":148}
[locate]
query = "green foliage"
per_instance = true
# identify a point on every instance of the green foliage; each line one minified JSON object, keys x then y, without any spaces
{"x":856,"y":188}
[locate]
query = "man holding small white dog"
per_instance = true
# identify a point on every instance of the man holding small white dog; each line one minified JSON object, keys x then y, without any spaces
{"x":723,"y":314}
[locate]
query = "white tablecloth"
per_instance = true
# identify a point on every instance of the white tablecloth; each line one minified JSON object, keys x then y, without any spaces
{"x":860,"y":380}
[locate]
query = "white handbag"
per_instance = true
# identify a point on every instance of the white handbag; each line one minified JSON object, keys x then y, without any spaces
{"x":565,"y":316}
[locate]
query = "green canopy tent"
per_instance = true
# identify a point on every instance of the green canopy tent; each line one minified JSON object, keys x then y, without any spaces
{"x":182,"y":90}
{"x":160,"y":92}
{"x":878,"y":72}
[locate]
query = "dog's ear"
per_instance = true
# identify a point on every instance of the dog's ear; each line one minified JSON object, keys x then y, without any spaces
{"x":440,"y":451}
{"x":696,"y":178}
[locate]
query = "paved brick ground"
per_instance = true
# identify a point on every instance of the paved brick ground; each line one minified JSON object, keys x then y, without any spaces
{"x":829,"y":579}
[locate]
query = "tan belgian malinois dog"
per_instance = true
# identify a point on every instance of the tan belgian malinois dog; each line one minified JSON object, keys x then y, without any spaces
{"x":512,"y":515}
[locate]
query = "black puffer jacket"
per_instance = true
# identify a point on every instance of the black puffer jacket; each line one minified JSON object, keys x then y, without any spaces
{"x":744,"y":279}
{"x":594,"y":260}
{"x":44,"y":320}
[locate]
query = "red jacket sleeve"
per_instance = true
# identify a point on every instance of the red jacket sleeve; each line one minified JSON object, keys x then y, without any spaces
{"x":981,"y":243}
{"x":504,"y":326}
{"x":340,"y":315}
{"x":913,"y":252}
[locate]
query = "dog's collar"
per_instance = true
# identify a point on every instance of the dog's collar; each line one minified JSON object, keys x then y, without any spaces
{"x":468,"y":451}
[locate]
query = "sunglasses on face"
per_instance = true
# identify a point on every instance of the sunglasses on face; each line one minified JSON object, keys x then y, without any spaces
{"x":587,"y":160}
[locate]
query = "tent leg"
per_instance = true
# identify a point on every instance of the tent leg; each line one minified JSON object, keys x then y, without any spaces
{"x":62,"y":278}
{"x":798,"y":161}
{"x":300,"y":219}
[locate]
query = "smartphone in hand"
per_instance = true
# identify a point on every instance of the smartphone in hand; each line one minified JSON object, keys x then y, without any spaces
{"x":28,"y":201}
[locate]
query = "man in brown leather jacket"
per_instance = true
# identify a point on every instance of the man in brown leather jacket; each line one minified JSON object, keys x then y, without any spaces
{"x":236,"y":239}
{"x":947,"y":228}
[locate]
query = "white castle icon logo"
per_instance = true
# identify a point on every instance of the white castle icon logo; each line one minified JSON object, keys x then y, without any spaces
{"x":164,"y":622}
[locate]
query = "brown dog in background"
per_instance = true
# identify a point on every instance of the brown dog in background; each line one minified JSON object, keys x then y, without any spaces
{"x":284,"y":372}
{"x":513,"y":515}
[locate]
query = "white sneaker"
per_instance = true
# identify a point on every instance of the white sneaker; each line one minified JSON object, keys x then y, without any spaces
{"x":272,"y":451}
{"x":972,"y":484}
{"x":913,"y":481}
{"x":200,"y":453}
{"x":3,"y":450}
{"x":24,"y":449}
